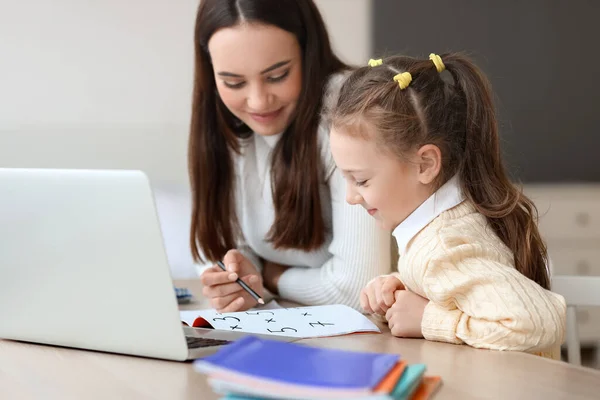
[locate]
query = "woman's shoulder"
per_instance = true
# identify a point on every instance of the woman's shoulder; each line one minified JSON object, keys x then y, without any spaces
{"x":330,"y":95}
{"x":332,"y":89}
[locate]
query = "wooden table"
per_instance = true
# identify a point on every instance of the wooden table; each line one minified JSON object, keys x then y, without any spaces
{"x":29,"y":371}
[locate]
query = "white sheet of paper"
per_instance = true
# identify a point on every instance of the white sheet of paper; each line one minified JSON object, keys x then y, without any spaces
{"x":300,"y":322}
{"x":189,"y":316}
{"x":271,"y":305}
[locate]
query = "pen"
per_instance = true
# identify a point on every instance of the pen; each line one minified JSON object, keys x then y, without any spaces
{"x":243,"y":285}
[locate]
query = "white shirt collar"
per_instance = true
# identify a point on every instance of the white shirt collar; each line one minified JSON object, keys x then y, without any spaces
{"x":271,"y":140}
{"x":445,"y":198}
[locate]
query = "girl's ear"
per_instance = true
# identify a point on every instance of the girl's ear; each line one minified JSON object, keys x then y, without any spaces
{"x":429,"y":158}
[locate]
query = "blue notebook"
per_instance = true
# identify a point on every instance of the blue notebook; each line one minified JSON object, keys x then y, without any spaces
{"x":405,"y":388}
{"x":299,"y":364}
{"x":231,"y":396}
{"x":183,"y":295}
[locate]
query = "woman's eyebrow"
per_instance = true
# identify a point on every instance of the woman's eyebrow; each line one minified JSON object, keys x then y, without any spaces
{"x":269,"y":69}
{"x":275,"y":66}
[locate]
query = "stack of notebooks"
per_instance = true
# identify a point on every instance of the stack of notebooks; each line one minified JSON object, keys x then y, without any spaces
{"x":253,"y":368}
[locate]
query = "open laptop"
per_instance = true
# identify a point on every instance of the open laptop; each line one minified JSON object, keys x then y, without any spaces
{"x":83,"y":265}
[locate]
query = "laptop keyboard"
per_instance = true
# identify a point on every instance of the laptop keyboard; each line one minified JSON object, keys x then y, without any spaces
{"x":198,"y":342}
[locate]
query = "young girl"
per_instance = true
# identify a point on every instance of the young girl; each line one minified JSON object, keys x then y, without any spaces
{"x":267,"y":198}
{"x":420,"y":152}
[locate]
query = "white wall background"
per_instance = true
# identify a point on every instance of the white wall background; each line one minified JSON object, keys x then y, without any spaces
{"x":99,"y":84}
{"x":107,"y":84}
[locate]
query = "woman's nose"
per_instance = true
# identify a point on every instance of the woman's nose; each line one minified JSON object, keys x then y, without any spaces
{"x":259,"y":99}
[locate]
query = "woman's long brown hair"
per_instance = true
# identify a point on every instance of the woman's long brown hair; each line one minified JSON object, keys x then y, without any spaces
{"x":215,"y":133}
{"x":458,"y":116}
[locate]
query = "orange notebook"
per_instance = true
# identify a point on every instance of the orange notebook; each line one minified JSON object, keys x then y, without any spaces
{"x":388,"y":383}
{"x":429,"y":385}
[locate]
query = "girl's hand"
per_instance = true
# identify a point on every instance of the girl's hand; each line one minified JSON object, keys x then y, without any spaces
{"x":405,"y":316}
{"x":378,"y":296}
{"x":220,"y":287}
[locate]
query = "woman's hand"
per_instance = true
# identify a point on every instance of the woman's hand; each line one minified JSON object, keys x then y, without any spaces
{"x":271,"y":274}
{"x":378,"y":296}
{"x":220,"y":287}
{"x":405,"y":316}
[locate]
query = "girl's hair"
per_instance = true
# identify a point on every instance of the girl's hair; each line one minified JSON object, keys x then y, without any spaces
{"x":457,"y":115}
{"x":215,"y":133}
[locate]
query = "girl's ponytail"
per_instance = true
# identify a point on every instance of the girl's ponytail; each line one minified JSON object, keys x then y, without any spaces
{"x":484,"y":181}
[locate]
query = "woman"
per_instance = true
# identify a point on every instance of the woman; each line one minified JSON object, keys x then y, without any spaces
{"x":267,"y":198}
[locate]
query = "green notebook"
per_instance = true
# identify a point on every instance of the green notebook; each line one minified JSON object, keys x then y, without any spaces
{"x":409,"y":381}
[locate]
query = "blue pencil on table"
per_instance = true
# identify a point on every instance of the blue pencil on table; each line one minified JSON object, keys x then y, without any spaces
{"x":243,"y":285}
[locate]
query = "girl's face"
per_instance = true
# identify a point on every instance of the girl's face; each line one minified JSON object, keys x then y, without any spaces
{"x":388,"y":188}
{"x":258,"y":73}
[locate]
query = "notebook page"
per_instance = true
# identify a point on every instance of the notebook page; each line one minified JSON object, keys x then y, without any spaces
{"x":299,"y":322}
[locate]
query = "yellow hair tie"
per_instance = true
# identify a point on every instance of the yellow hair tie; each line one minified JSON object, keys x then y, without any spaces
{"x":374,"y":63}
{"x":437,"y":61}
{"x":403,"y":79}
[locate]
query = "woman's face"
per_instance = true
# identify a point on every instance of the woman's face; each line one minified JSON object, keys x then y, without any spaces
{"x":258,"y":73}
